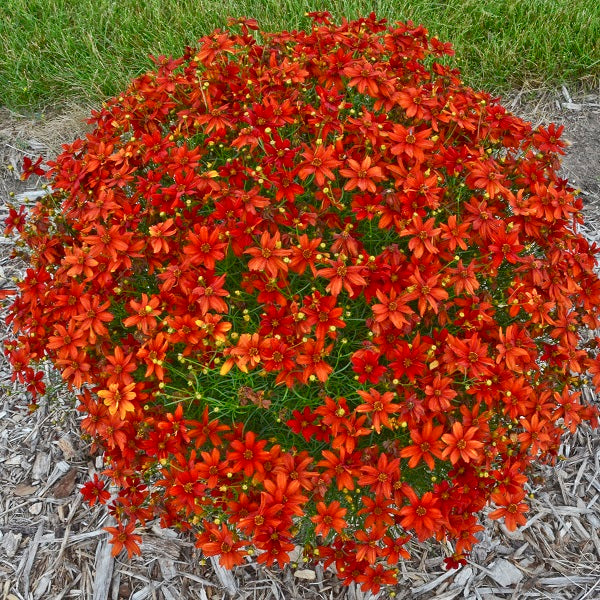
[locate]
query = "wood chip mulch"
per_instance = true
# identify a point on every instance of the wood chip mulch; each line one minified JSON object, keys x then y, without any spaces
{"x":53,"y":546}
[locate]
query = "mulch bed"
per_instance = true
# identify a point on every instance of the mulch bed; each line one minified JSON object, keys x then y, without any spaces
{"x":52,"y":546}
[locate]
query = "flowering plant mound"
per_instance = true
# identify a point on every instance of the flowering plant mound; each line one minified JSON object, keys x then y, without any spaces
{"x":311,"y":289}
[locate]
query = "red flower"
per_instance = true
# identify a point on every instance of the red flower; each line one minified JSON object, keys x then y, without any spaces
{"x":212,"y":468}
{"x":548,"y":139}
{"x":378,"y":406}
{"x":423,"y":236}
{"x":439,"y":393}
{"x":119,"y":399}
{"x":305,"y":254}
{"x":67,"y":342}
{"x":32,"y":168}
{"x":367,"y":546}
{"x":247,"y":352}
{"x":339,"y":467}
{"x":209,"y":294}
{"x":312,"y":356}
{"x":120,"y":366}
{"x":511,"y":509}
{"x":382,"y":477}
{"x":488,"y":176}
{"x":146,"y":311}
{"x":364,"y":76}
{"x":460,"y":444}
{"x":394,"y":548}
{"x":376,"y":576}
{"x":95,"y":491}
{"x":205,"y":246}
{"x":429,"y":293}
{"x":248,"y":455}
{"x":393,"y":307}
{"x":421,"y":514}
{"x":343,"y":276}
{"x":469,"y":356}
{"x":410,"y":142}
{"x":366,"y":364}
{"x":93,"y":317}
{"x":221,"y":542}
{"x":269,"y":256}
{"x":319,"y":162}
{"x":323,"y":312}
{"x":329,"y":517}
{"x":362,"y":175}
{"x":123,"y":537}
{"x":426,"y":445}
{"x":303,"y":423}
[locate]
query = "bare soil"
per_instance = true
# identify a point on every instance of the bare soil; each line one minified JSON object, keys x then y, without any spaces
{"x":53,"y":547}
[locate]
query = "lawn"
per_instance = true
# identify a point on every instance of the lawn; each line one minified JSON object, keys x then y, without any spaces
{"x":52,"y":51}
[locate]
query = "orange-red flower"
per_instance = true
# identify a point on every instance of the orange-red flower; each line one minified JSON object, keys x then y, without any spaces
{"x":146,"y":311}
{"x":221,"y":542}
{"x":378,"y":406}
{"x":311,"y":355}
{"x":381,"y":477}
{"x":248,"y":455}
{"x":270,"y":256}
{"x":246,"y":353}
{"x":67,"y":341}
{"x":422,"y":514}
{"x":410,"y":142}
{"x":329,"y":516}
{"x":319,"y":162}
{"x":362,"y":175}
{"x":342,"y":276}
{"x":206,"y":246}
{"x":119,"y":399}
{"x":305,"y":254}
{"x":469,"y":355}
{"x":123,"y":537}
{"x":92,"y":317}
{"x":95,"y":491}
{"x":393,"y":307}
{"x":511,"y":509}
{"x":376,"y":576}
{"x":426,"y":445}
{"x":462,"y":444}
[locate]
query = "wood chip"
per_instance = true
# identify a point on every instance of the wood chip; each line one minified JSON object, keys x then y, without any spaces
{"x":432,"y":585}
{"x":224,"y":576}
{"x":66,"y":484}
{"x":307,"y":574}
{"x":67,"y":448}
{"x":29,"y":559}
{"x":167,"y":568}
{"x":104,"y":565}
{"x":462,"y":577}
{"x":41,"y":466}
{"x":24,"y":489}
{"x":504,"y":572}
{"x":36,"y":508}
{"x":42,"y":585}
{"x":10,"y":543}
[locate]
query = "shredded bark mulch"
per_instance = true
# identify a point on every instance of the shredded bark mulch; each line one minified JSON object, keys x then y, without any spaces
{"x":53,"y":546}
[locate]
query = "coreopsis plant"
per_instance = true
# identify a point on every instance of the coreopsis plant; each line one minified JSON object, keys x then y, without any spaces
{"x":312,"y":290}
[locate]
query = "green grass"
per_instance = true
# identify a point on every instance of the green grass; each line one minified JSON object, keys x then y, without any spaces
{"x":52,"y":51}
